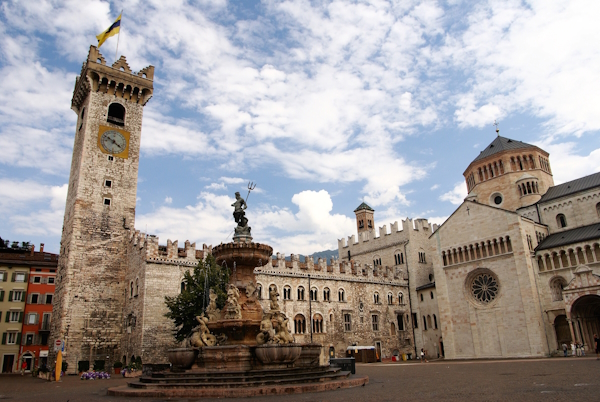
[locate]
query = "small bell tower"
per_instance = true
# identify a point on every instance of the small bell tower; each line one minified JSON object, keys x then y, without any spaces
{"x":364,"y":218}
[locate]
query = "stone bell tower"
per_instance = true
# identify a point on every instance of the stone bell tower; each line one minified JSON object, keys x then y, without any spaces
{"x":90,"y":289}
{"x":364,"y":218}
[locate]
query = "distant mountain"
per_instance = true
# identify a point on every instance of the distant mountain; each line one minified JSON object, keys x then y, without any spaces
{"x":327,"y":254}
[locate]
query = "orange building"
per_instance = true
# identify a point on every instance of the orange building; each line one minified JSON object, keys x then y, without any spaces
{"x":38,"y":310}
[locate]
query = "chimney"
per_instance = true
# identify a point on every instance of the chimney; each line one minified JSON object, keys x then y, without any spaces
{"x":32,"y":249}
{"x":41,"y":247}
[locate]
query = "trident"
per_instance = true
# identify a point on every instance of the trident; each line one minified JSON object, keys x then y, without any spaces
{"x":251,"y":186}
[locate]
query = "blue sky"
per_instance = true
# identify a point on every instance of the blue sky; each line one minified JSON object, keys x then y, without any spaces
{"x":322,"y":104}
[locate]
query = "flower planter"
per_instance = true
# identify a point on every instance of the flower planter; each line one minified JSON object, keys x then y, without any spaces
{"x":182,"y":358}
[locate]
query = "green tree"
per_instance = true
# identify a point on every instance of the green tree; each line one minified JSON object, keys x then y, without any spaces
{"x":193,"y":300}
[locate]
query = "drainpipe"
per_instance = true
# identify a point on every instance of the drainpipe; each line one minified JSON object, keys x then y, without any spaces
{"x":310,"y":308}
{"x":410,"y":301}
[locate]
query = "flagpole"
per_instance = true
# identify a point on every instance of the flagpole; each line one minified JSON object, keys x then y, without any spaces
{"x":119,"y":36}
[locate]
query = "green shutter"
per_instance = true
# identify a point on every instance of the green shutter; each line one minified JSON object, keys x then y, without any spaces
{"x":18,"y":338}
{"x":5,"y":277}
{"x":7,"y":316}
{"x":1,"y":295}
{"x":4,"y":338}
{"x":10,"y":293}
{"x":22,"y":296}
{"x":14,"y":275}
{"x":0,"y":315}
{"x":20,"y":317}
{"x":26,"y":275}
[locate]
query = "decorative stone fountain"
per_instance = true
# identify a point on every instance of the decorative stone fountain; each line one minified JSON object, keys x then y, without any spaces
{"x":241,"y":350}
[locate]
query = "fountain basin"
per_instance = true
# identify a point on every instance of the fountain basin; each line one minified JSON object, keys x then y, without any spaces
{"x":182,"y":358}
{"x":278,"y":354}
{"x":238,"y":332}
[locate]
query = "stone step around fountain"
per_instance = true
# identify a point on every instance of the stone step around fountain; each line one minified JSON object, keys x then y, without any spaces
{"x":330,"y":379}
{"x":245,"y":379}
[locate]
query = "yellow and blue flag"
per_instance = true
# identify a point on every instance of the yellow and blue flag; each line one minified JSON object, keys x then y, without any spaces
{"x":111,"y":31}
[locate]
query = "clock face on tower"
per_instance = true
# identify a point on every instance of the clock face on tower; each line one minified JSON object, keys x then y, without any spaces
{"x":113,"y":141}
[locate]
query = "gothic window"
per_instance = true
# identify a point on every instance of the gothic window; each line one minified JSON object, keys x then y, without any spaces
{"x":299,"y":324}
{"x":137,"y":287}
{"x":369,"y":223}
{"x":287,"y":293}
{"x":390,"y":298}
{"x":300,"y":293}
{"x":435,"y":322}
{"x":561,"y":221}
{"x":375,"y":322}
{"x":424,"y":324}
{"x":317,"y":324}
{"x":598,"y":209}
{"x":313,"y":294}
{"x":393,"y":329}
{"x":326,"y":294}
{"x":341,"y":295}
{"x":347,"y":322}
{"x":361,"y":224}
{"x":376,"y":298}
{"x":400,"y":298}
{"x":116,"y":114}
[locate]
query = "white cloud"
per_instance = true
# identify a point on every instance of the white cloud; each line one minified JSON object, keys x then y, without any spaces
{"x":568,"y":163}
{"x":232,"y":180}
{"x":17,"y":197}
{"x":530,"y":56}
{"x":434,"y":187}
{"x":457,"y":195}
{"x":168,"y":200}
{"x":216,"y":186}
{"x":438,"y":220}
{"x":312,"y":228}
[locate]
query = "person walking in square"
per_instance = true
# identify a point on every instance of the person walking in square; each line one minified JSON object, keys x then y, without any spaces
{"x":597,"y":345}
{"x":23,"y":367}
{"x":573,"y":350}
{"x":564,"y":348}
{"x":423,"y":359}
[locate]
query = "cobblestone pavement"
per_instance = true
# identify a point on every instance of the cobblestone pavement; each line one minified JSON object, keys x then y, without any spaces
{"x":557,"y":379}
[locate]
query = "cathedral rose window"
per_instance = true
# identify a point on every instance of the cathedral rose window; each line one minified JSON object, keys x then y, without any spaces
{"x":484,"y":287}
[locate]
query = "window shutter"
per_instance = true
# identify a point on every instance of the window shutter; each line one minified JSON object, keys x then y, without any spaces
{"x":44,"y":280}
{"x":5,"y":277}
{"x":7,"y":316}
{"x":14,"y":275}
{"x":26,"y":276}
{"x":18,"y":339}
{"x":29,"y":299}
{"x":1,"y":295}
{"x":20,"y":318}
{"x":0,"y":315}
{"x":4,"y":338}
{"x":42,"y":298}
{"x":10,"y":293}
{"x":37,"y":318}
{"x":22,"y":296}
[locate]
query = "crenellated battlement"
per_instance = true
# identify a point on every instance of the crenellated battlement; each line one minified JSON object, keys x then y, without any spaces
{"x":332,"y":269}
{"x":416,"y":225}
{"x":149,"y":249}
{"x":117,"y":80}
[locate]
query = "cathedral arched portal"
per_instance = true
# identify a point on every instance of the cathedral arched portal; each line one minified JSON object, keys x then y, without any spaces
{"x":585,"y":320}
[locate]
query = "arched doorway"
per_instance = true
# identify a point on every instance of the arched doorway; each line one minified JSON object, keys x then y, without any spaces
{"x":563,"y":333}
{"x":585,"y":319}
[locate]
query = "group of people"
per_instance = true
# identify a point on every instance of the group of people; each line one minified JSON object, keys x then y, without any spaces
{"x":577,"y":348}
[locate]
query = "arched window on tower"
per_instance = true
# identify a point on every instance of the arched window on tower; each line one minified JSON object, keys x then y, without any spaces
{"x":561,"y":221}
{"x":598,"y":209}
{"x":116,"y":114}
{"x":300,"y":293}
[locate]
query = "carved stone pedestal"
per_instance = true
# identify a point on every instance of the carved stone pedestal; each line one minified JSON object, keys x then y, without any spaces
{"x":224,"y":358}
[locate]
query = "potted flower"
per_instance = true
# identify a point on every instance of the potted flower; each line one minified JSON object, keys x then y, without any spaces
{"x":117,"y":366}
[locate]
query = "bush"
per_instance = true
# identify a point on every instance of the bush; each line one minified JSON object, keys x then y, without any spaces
{"x":117,"y":364}
{"x":99,"y":365}
{"x":83,"y":365}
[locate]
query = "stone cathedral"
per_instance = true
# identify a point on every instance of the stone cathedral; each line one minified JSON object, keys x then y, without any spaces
{"x":513,"y":272}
